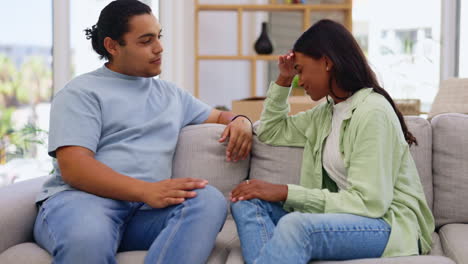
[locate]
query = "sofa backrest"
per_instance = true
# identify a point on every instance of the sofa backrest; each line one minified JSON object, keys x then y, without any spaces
{"x":450,"y":168}
{"x":280,"y":165}
{"x":18,"y":212}
{"x":451,"y":97}
{"x":283,"y":164}
{"x":200,"y":155}
{"x":422,"y":153}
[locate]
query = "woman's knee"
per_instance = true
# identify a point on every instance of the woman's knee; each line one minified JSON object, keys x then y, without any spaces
{"x":241,"y":207}
{"x":292,"y":226}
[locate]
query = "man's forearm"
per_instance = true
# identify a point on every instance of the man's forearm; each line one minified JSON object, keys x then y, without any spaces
{"x":225,"y":117}
{"x":87,"y":174}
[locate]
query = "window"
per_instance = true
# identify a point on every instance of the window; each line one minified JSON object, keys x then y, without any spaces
{"x":463,"y":55}
{"x":402,"y":44}
{"x":25,"y":89}
{"x":26,"y":79}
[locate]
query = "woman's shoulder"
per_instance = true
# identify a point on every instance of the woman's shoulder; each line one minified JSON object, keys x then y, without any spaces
{"x":376,"y":111}
{"x":375,"y":104}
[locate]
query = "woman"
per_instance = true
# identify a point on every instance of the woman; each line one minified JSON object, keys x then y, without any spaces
{"x":360,"y":195}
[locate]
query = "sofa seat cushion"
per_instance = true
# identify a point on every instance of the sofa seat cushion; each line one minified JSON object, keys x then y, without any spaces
{"x":450,"y":168}
{"x":226,"y":239}
{"x":25,"y":253}
{"x":436,"y":246}
{"x":454,"y":239}
{"x":31,"y":253}
{"x":199,"y":154}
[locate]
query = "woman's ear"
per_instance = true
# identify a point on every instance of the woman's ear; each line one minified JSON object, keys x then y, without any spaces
{"x":328,"y":63}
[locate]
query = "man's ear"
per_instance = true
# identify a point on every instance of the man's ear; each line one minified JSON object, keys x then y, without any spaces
{"x":111,"y":46}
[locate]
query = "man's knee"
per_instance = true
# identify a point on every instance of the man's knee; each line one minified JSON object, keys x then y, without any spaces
{"x":92,"y":234}
{"x":87,"y":246}
{"x":211,"y":200}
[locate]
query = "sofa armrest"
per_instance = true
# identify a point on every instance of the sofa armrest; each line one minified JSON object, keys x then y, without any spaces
{"x":18,"y":212}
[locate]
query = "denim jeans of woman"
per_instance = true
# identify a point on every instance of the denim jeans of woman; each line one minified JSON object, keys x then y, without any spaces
{"x":78,"y":227}
{"x":269,"y":234}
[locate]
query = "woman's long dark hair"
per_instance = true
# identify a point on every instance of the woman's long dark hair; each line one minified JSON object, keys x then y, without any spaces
{"x":350,"y":68}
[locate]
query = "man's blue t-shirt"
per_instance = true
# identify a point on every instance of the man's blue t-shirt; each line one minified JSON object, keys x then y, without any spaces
{"x":131,"y":123}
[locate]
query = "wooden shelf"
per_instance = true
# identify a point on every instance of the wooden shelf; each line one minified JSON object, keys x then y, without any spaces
{"x":275,"y":7}
{"x":235,"y":57}
{"x":305,"y":9}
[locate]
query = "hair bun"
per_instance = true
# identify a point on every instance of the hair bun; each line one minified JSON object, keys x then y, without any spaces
{"x":91,"y":33}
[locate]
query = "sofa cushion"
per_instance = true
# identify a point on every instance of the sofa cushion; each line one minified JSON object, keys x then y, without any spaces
{"x":280,"y":165}
{"x":25,"y":253}
{"x":450,"y":168}
{"x":18,"y":212}
{"x":452,"y":97}
{"x":200,"y":155}
{"x":436,"y":247}
{"x":226,"y":239}
{"x":422,"y":153}
{"x":454,"y":238}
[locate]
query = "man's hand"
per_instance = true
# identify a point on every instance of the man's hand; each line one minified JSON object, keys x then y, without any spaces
{"x":171,"y":192}
{"x":263,"y":190}
{"x":239,"y":132}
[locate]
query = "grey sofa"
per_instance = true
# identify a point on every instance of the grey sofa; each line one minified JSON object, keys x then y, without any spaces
{"x":441,"y":158}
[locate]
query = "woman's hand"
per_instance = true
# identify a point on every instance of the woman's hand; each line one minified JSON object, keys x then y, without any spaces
{"x":240,"y":133}
{"x":266,"y":191}
{"x":286,"y":69}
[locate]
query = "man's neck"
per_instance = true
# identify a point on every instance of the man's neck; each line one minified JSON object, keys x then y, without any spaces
{"x":111,"y":66}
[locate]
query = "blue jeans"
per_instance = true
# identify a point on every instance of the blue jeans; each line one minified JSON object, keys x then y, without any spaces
{"x":269,"y":234}
{"x":78,"y":227}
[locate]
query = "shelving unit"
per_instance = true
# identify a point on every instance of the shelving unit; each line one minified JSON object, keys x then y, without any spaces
{"x":306,"y":9}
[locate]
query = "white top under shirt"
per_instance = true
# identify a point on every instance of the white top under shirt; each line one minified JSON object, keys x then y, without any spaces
{"x":332,"y":160}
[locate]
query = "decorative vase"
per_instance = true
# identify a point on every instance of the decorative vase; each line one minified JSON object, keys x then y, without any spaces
{"x":263,"y":44}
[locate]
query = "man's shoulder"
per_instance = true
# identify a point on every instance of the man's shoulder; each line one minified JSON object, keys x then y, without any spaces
{"x":85,"y":82}
{"x":81,"y":85}
{"x":168,"y":88}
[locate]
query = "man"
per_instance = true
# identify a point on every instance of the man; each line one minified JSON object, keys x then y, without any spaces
{"x":113,"y":133}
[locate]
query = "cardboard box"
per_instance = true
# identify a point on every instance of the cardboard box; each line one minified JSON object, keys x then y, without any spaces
{"x":253,"y":106}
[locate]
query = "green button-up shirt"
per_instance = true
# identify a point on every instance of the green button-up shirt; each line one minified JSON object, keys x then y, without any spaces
{"x":382,"y":176}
